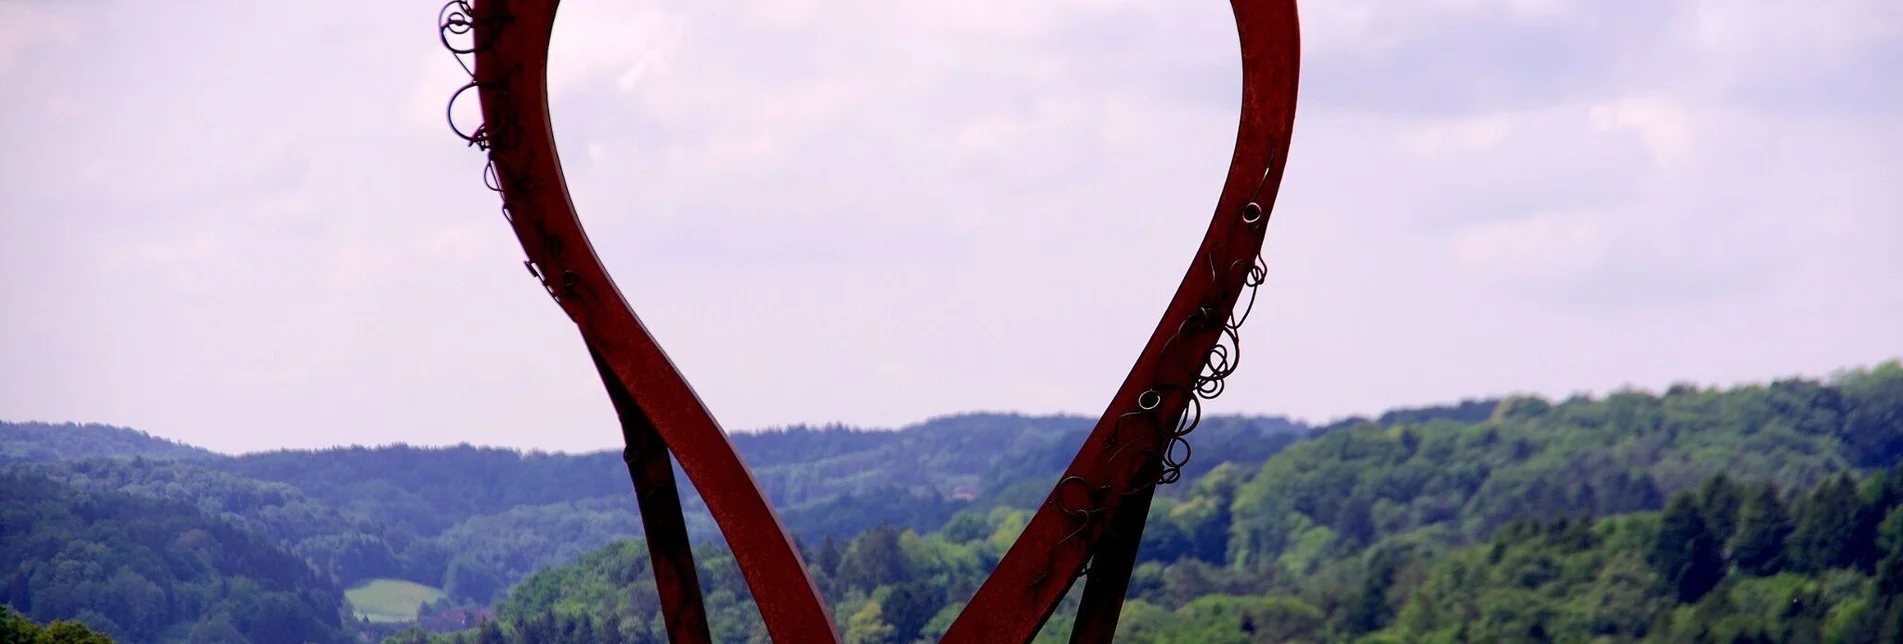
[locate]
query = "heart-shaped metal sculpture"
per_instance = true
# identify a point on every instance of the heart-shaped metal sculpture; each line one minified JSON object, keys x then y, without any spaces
{"x":1093,"y":517}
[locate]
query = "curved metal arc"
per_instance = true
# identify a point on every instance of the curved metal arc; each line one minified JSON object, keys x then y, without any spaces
{"x":511,"y":77}
{"x":1096,"y":512}
{"x":1180,"y":361}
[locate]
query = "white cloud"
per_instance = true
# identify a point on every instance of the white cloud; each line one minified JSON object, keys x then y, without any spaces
{"x":1471,"y":135}
{"x":1751,"y":33}
{"x":617,"y":40}
{"x":1541,"y":248}
{"x":1661,"y":124}
{"x":149,"y":255}
{"x":26,"y":25}
{"x":876,"y":212}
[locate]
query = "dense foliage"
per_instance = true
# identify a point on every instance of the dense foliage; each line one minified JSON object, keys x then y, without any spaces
{"x":415,"y":513}
{"x":16,"y":629}
{"x":1433,"y":528}
{"x":1355,"y":486}
{"x":1520,"y":519}
{"x":347,"y":546}
{"x":1724,"y":563}
{"x":148,"y":570}
{"x":69,"y":441}
{"x":1828,"y":569}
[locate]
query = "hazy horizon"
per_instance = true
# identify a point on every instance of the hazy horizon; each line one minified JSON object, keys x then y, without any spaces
{"x":1306,"y":422}
{"x":874,"y":213}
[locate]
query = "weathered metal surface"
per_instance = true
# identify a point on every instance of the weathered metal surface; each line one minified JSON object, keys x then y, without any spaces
{"x":1111,"y":563}
{"x":670,"y":554}
{"x":1095,"y":514}
{"x":1194,"y":348}
{"x":509,"y":44}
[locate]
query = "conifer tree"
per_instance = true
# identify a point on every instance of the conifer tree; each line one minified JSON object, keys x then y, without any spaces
{"x":1821,"y":537}
{"x":1722,"y":502}
{"x":910,"y":606}
{"x":829,"y":555}
{"x":489,"y":633}
{"x":1878,"y":497}
{"x":1763,"y":525}
{"x":875,"y":559}
{"x":1686,"y":554}
{"x":1369,"y":611}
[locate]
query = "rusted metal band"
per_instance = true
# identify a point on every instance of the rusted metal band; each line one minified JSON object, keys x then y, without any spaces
{"x":1096,"y":511}
{"x":1193,"y":348}
{"x":510,"y":76}
{"x":670,"y":553}
{"x":1110,"y":566}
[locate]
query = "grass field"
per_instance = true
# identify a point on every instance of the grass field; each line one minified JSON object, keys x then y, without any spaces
{"x":385,"y":601}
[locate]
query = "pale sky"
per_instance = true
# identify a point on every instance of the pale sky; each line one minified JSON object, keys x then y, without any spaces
{"x":245,"y":225}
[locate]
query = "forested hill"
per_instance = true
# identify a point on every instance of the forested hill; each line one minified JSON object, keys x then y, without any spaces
{"x":150,"y":570}
{"x":427,"y":490}
{"x":69,"y":441}
{"x":1547,"y":513}
{"x":473,"y":521}
{"x":1268,"y":510}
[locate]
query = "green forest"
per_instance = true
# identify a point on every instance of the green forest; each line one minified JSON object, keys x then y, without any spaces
{"x":1758,"y":513}
{"x":17,"y":629}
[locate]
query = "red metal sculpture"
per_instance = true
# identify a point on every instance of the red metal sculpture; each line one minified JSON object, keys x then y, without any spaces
{"x":1093,"y":517}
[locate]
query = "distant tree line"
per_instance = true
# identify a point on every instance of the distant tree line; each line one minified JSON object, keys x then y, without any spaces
{"x":148,"y":570}
{"x":1636,"y":517}
{"x":1352,"y":532}
{"x":17,"y":629}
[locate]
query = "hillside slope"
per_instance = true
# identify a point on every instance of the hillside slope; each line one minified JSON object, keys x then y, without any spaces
{"x":414,"y":513}
{"x":1335,"y":537}
{"x":44,"y":442}
{"x":147,"y":570}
